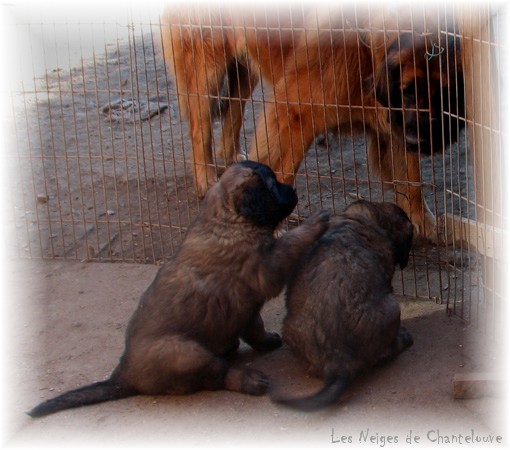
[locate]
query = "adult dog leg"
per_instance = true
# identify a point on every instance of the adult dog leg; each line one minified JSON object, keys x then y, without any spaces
{"x":200,"y":121}
{"x":409,"y":193}
{"x":401,"y":170}
{"x":283,"y":134}
{"x":242,"y":82}
{"x":199,"y":61}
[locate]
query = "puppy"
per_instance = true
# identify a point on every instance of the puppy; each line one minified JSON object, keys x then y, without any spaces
{"x":342,"y":315}
{"x":209,"y":295}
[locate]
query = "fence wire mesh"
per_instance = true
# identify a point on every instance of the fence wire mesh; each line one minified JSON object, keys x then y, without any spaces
{"x":99,"y":153}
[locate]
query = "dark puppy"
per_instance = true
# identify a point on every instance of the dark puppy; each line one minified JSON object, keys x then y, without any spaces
{"x":342,"y":315}
{"x":209,"y":295}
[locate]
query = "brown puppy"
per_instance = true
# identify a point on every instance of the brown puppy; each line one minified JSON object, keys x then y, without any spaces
{"x":342,"y":315}
{"x":209,"y":295}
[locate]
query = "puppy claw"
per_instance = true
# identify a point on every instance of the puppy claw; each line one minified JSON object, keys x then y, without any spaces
{"x":254,"y":382}
{"x":247,"y":381}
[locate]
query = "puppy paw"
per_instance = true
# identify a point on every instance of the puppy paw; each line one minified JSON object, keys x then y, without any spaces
{"x":319,"y":220}
{"x":272,"y":341}
{"x":232,"y":347}
{"x":254,"y":382}
{"x":246,"y":380}
{"x":405,"y":338}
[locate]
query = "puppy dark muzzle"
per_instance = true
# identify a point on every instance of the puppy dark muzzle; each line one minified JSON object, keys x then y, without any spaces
{"x":284,"y":195}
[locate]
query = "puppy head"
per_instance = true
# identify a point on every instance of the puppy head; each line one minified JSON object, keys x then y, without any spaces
{"x":393,"y":220}
{"x":250,"y":190}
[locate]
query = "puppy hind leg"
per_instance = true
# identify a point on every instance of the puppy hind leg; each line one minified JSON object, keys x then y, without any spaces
{"x":246,"y":380}
{"x":176,"y":365}
{"x":402,"y":341}
{"x":217,"y":374}
{"x":170,"y":365}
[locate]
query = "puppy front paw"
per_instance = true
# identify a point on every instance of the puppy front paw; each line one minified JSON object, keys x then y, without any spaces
{"x":405,"y":338}
{"x":319,"y":220}
{"x":272,"y":341}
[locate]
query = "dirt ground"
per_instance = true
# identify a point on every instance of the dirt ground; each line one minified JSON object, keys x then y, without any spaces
{"x":65,"y":327}
{"x":100,"y":159}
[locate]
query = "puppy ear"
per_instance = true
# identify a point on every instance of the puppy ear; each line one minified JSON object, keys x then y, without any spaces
{"x":402,"y":246}
{"x":402,"y":255}
{"x":258,"y":206}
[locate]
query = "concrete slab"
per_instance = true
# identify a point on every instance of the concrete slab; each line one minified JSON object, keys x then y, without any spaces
{"x":64,"y":326}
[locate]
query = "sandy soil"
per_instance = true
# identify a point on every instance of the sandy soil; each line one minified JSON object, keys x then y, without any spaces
{"x":67,"y":330}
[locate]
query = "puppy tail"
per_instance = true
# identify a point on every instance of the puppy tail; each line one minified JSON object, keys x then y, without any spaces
{"x":327,"y":396}
{"x":102,"y":391}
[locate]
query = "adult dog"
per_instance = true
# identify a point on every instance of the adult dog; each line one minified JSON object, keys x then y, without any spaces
{"x":386,"y":76}
{"x":209,"y":295}
{"x":390,"y":74}
{"x":218,"y":54}
{"x":342,"y":316}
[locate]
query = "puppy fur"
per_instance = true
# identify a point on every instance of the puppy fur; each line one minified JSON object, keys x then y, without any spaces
{"x":342,"y":316}
{"x":209,"y":295}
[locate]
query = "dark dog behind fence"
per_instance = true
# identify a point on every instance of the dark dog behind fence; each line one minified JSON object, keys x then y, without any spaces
{"x":100,"y":166}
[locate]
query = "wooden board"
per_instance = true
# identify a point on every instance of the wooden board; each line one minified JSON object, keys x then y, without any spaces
{"x":487,"y":240}
{"x":478,"y":384}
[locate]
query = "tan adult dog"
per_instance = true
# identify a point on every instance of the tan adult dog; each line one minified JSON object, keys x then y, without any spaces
{"x":342,"y":316}
{"x":209,"y":295}
{"x":384,"y":73}
{"x":218,"y":54}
